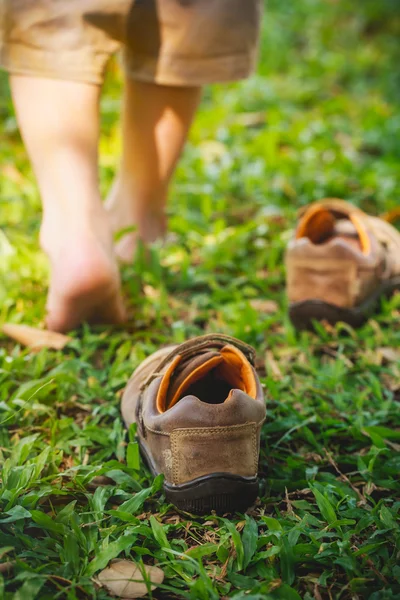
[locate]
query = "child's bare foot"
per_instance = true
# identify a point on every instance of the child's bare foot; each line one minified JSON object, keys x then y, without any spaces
{"x":155,"y":124}
{"x":59,"y":121}
{"x":145,"y":221}
{"x":85,"y":283}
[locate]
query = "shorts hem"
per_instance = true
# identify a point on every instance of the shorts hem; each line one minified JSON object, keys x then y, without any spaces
{"x":37,"y":63}
{"x":162,"y":70}
{"x":169,"y":70}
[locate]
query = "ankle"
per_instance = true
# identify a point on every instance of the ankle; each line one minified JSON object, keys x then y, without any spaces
{"x":151,"y":225}
{"x":129,"y":205}
{"x":60,"y":226}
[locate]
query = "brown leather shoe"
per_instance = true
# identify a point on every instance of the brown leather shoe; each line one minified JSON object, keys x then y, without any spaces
{"x":199,"y":408}
{"x":339,"y":264}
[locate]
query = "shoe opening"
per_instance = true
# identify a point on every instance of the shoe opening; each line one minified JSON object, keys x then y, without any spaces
{"x":321,"y":225}
{"x":211,"y":378}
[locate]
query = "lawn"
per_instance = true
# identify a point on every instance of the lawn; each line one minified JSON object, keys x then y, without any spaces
{"x":320,"y":118}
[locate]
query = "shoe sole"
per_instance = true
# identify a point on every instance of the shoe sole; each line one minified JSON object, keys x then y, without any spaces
{"x":219,"y":492}
{"x":302,"y":314}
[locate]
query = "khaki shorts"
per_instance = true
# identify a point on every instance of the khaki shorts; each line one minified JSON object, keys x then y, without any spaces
{"x":170,"y":42}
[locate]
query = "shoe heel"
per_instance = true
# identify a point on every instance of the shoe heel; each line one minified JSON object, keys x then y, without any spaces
{"x":302,"y":314}
{"x":219,"y":492}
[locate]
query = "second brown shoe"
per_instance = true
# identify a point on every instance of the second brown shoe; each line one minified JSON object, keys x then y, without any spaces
{"x":339,"y":264}
{"x":199,"y":407}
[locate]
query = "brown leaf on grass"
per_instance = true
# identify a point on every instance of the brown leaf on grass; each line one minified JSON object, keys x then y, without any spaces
{"x":268,"y":307}
{"x":7,"y":567}
{"x":389,"y":355}
{"x":124,"y":579}
{"x":382,"y":355}
{"x":35,"y":338}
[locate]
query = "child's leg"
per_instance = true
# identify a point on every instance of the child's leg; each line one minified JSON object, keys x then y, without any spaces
{"x":59,"y":123}
{"x":156,"y":120}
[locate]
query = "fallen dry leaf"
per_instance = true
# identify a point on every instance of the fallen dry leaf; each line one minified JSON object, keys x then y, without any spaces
{"x":124,"y":578}
{"x":389,"y":354}
{"x":265,"y":306}
{"x":35,"y":338}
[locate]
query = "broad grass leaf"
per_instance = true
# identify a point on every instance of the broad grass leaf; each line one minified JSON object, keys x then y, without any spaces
{"x":325,"y":507}
{"x":242,"y":582}
{"x":15,"y":514}
{"x":126,"y":579}
{"x":21,"y":451}
{"x":272,"y":524}
{"x":124,"y":516}
{"x":16,"y":479}
{"x":387,"y":518}
{"x":35,"y":388}
{"x":132,"y":456}
{"x":237,"y":542}
{"x":108,"y":552}
{"x":71,"y":551}
{"x":41,"y":461}
{"x":287,"y":561}
{"x":368,"y":549}
{"x":285,"y":592}
{"x":132,"y":432}
{"x":65,"y":513}
{"x":29,"y":589}
{"x":383,"y":432}
{"x":136,"y":502}
{"x":202,"y":550}
{"x":249,"y":540}
{"x":267,"y":553}
{"x":159,"y":533}
{"x":202,"y":588}
{"x":46,"y":522}
{"x":99,"y":500}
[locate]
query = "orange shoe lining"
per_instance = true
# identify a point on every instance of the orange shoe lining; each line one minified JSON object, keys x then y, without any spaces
{"x":241,"y":376}
{"x":163,"y":389}
{"x":318,"y":224}
{"x":362,"y":234}
{"x":195,"y":376}
{"x":231,"y":366}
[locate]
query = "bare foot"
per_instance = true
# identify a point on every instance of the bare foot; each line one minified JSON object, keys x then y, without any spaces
{"x":145,"y":222}
{"x":85,"y":282}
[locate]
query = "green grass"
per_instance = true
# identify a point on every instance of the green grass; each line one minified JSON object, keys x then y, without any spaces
{"x":327,"y":524}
